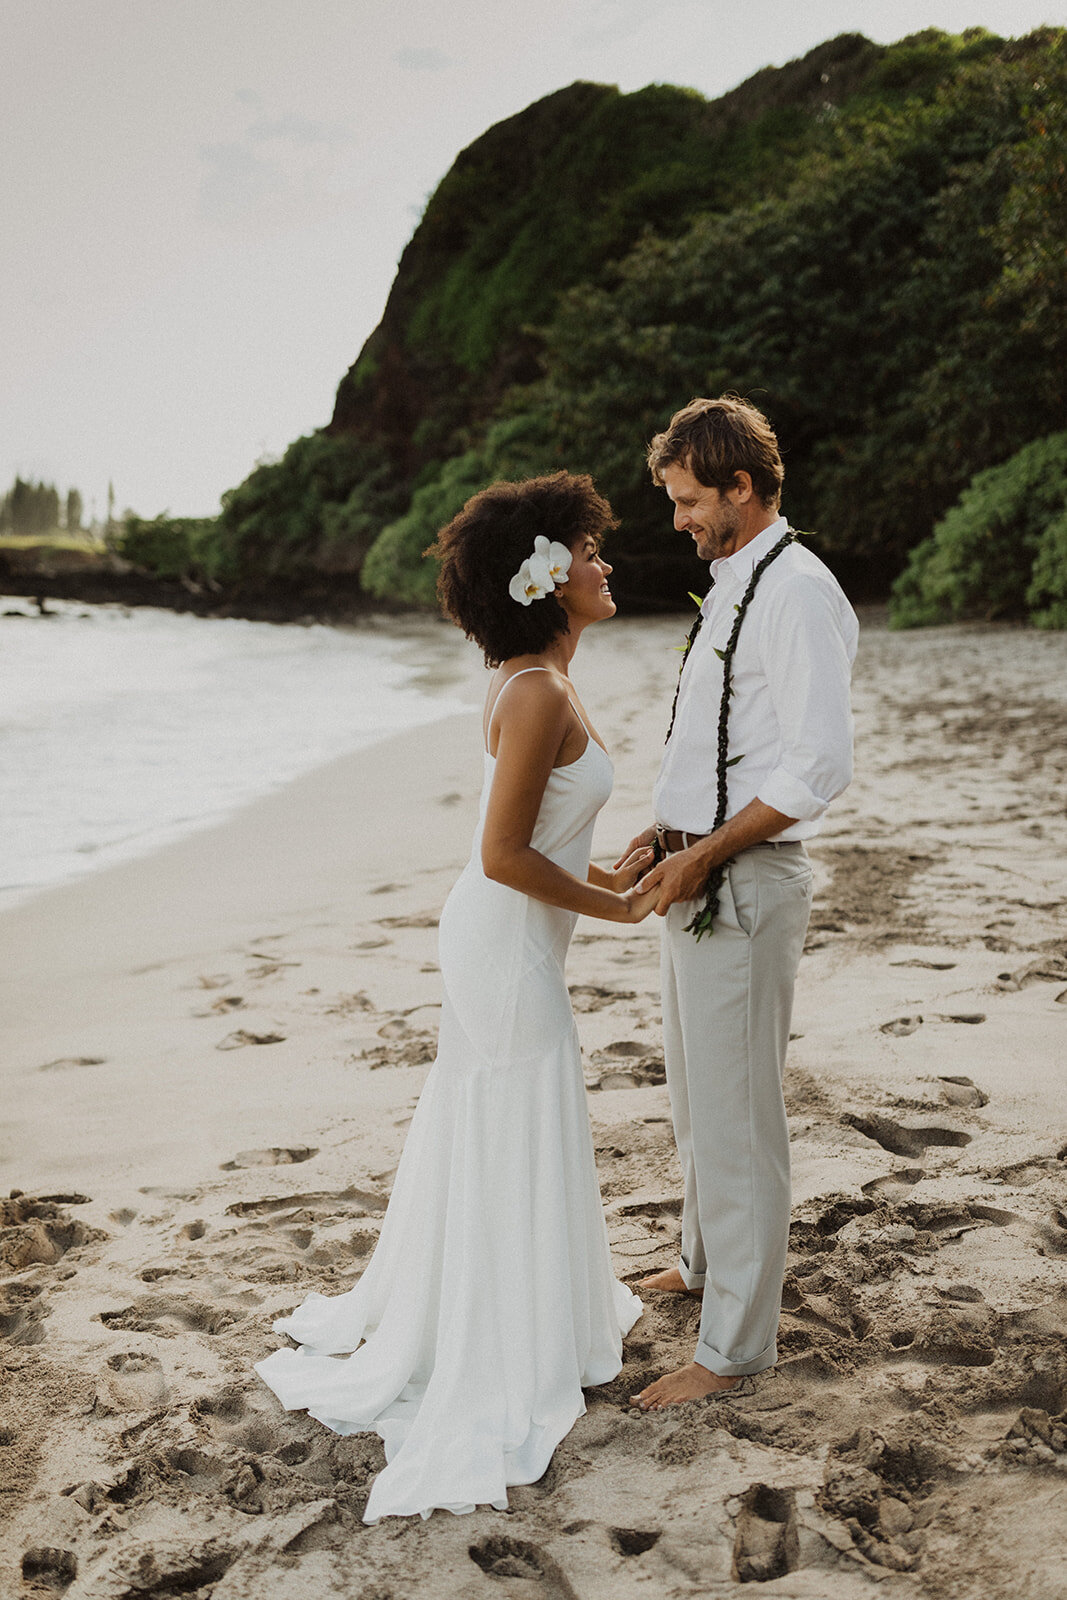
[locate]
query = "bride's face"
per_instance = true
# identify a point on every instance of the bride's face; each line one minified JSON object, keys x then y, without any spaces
{"x":586,"y":597}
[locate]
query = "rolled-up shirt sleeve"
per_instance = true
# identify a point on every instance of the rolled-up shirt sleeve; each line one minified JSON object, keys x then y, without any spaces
{"x":807,"y":646}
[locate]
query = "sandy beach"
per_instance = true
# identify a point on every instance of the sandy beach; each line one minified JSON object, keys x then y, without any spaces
{"x":210,"y":1057}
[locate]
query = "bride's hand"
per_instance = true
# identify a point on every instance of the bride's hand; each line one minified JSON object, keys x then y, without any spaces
{"x":640,"y":841}
{"x":638,"y":906}
{"x":631,"y":867}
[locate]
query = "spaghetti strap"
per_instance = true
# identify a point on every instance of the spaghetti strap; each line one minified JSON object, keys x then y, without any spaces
{"x":522,"y":673}
{"x":503,"y":687}
{"x":514,"y":675}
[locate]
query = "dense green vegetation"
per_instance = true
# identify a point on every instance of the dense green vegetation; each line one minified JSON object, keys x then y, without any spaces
{"x":172,"y":547}
{"x":1000,"y":551}
{"x":869,"y":242}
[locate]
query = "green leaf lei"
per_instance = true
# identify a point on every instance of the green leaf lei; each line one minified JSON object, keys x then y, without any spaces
{"x":703,"y":922}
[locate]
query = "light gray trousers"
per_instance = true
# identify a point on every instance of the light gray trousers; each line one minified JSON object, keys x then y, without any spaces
{"x":727,"y":1000}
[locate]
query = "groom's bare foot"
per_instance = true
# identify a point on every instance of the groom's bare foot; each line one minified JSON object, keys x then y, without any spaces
{"x":670,"y":1282}
{"x":688,"y":1383}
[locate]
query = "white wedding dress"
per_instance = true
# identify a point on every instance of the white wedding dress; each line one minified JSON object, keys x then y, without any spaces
{"x":490,"y":1300}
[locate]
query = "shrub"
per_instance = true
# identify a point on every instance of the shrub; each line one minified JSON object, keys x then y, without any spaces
{"x":1047,"y":594}
{"x":514,"y":448}
{"x":295,"y":516}
{"x":394,"y":568}
{"x":171,"y":547}
{"x":995,"y":552}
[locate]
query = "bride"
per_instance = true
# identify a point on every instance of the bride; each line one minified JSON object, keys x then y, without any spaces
{"x":490,"y":1303}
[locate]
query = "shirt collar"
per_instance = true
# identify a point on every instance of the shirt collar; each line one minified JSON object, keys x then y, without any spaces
{"x":733,"y":572}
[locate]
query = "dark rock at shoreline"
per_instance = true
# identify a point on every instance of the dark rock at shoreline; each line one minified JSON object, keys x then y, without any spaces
{"x":45,"y":573}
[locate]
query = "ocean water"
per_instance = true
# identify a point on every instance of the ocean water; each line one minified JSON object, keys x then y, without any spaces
{"x":121,"y":730}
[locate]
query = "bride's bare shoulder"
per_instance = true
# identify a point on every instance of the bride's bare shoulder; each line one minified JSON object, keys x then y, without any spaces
{"x":529,"y":696}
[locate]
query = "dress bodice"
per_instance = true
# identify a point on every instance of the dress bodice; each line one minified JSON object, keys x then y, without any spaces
{"x":573,"y":796}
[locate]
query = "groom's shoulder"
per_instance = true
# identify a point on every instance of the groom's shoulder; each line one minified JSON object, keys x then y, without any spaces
{"x":798,"y":575}
{"x":798,"y":567}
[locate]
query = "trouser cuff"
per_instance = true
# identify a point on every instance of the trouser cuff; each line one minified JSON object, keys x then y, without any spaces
{"x":692,"y":1280}
{"x":707,"y":1356}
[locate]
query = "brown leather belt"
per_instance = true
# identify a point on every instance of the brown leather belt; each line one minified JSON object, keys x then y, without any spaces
{"x":674,"y":839}
{"x":671,"y":840}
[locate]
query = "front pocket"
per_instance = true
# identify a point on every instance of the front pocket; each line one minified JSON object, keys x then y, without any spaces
{"x":739,"y":899}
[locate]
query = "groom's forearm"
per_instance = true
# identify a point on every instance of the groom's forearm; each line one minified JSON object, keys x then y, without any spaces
{"x":682,"y":876}
{"x":753,"y":824}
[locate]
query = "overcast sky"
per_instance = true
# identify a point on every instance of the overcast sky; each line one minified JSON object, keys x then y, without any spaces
{"x":204,"y":201}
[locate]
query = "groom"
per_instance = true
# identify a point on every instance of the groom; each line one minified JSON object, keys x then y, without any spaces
{"x":750,"y":766}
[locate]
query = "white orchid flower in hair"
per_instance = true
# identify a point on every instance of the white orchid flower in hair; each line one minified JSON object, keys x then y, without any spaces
{"x":540,"y":572}
{"x":556,"y":555}
{"x":531,"y":582}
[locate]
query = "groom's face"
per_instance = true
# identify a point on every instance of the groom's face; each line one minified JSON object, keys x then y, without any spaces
{"x":708,"y":515}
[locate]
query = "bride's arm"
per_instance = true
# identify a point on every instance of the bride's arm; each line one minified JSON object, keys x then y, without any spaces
{"x":533,"y":724}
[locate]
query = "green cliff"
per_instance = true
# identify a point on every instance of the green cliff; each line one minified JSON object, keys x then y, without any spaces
{"x":868,"y":241}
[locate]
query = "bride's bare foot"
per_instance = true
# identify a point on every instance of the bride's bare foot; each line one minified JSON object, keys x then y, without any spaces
{"x":669,"y":1282}
{"x":688,"y":1383}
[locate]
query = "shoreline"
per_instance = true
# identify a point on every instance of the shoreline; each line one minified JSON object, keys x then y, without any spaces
{"x":207,"y":1085}
{"x":124,"y":731}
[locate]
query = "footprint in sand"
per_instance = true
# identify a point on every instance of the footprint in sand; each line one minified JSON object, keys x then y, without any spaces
{"x":895,"y":1184}
{"x":268,"y":965}
{"x":910,"y":1137}
{"x":417,"y":919}
{"x":959,"y":1091}
{"x":592,"y":997}
{"x":406,"y":1047}
{"x":1047,"y":969}
{"x":634,"y":1541}
{"x":503,"y":1557}
{"x":629,"y":1064}
{"x":49,"y":1568}
{"x":900,"y":1027}
{"x":38,"y":1232}
{"x":873,"y":1518}
{"x":948,"y":1342}
{"x":276,"y":1156}
{"x":65,"y":1063}
{"x":241,"y":1037}
{"x":766,"y":1542}
{"x":130,"y":1381}
{"x":317,"y":1205}
{"x":168,"y":1315}
{"x":219,"y":1007}
{"x":349,"y":1005}
{"x":22,"y":1311}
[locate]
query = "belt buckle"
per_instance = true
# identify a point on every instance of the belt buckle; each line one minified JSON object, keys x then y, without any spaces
{"x":661,"y":838}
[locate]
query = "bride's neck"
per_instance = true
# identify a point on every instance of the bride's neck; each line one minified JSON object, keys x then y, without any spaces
{"x":560,"y":653}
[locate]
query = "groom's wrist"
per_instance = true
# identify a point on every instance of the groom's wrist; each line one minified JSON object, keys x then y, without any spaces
{"x":711,"y":851}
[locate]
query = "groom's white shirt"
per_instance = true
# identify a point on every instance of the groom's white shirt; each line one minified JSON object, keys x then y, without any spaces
{"x":790,"y":718}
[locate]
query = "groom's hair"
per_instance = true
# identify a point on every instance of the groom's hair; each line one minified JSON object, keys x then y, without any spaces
{"x":717,"y":439}
{"x":484,"y":546}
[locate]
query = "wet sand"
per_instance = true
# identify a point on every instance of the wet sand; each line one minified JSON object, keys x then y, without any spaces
{"x":209,"y":1061}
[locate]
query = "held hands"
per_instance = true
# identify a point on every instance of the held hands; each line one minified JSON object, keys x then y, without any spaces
{"x":638,"y":904}
{"x":627,"y":871}
{"x":640,"y":841}
{"x":681,"y":876}
{"x":629,"y":867}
